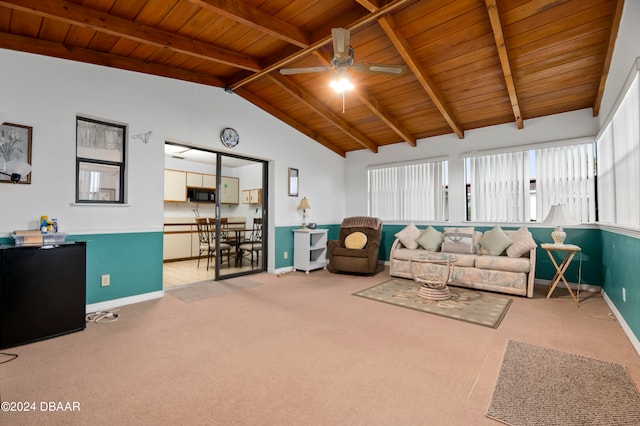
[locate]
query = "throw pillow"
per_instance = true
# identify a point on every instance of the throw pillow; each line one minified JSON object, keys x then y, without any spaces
{"x":408,"y":236}
{"x":355,"y":240}
{"x":430,"y":239}
{"x":522,"y":243}
{"x":458,"y":240}
{"x":495,"y":241}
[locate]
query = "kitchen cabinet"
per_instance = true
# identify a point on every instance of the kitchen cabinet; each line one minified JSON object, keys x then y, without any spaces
{"x":175,"y":185}
{"x":177,"y":243}
{"x":200,"y":180}
{"x":252,"y":196}
{"x":229,"y":190}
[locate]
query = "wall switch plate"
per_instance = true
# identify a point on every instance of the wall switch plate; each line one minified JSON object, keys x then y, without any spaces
{"x":286,"y":254}
{"x":105,"y":280}
{"x":624,"y":294}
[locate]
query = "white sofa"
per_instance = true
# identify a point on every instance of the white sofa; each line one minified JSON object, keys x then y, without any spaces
{"x":510,"y":271}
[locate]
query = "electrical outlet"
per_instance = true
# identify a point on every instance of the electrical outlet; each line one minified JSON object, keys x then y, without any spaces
{"x":624,"y":294}
{"x":105,"y":280}
{"x":286,"y":254}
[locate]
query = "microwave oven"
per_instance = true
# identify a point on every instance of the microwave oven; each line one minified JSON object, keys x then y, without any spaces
{"x":197,"y":195}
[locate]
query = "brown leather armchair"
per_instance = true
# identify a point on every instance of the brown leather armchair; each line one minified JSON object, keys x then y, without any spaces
{"x":356,"y":260}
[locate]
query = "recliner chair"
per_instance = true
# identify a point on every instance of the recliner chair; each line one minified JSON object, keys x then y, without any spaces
{"x":357,"y":260}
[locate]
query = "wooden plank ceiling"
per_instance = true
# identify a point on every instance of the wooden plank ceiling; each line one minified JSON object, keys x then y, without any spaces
{"x":470,"y":63}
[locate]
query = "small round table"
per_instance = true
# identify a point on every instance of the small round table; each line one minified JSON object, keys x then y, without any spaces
{"x":433,"y":286}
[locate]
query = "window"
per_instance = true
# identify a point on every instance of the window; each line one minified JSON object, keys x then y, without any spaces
{"x":411,"y":192}
{"x":619,"y":161}
{"x":523,"y":185}
{"x":100,"y":161}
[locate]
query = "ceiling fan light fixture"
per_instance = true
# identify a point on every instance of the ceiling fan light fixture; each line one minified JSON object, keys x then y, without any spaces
{"x":341,"y":82}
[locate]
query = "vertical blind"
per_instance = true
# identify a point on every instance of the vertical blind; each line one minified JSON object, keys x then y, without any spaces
{"x":408,"y":192}
{"x":619,"y":163}
{"x":499,"y":187}
{"x":566,"y":175}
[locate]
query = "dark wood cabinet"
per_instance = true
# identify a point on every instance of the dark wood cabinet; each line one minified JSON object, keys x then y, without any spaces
{"x":42,"y":292}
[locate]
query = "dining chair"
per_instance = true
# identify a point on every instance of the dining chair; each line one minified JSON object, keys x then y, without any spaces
{"x":225,"y":247}
{"x":204,"y":240}
{"x":253,"y":245}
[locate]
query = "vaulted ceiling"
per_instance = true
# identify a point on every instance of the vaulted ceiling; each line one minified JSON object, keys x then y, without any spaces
{"x":470,"y":63}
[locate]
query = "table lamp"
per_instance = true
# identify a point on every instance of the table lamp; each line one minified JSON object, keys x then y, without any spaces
{"x":559,"y":216}
{"x":304,"y":206}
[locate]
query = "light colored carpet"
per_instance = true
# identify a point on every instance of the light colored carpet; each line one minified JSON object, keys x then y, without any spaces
{"x":476,"y":307}
{"x":206,"y":289}
{"x":540,"y":386}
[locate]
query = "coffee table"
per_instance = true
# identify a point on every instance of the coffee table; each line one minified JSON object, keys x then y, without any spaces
{"x":433,"y":286}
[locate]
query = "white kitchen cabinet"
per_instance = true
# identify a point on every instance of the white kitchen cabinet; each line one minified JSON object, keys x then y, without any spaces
{"x":252,"y":196}
{"x":229,"y":190}
{"x":194,"y":180}
{"x":209,"y":181}
{"x":175,"y":185}
{"x":177,"y":243}
{"x":309,"y":249}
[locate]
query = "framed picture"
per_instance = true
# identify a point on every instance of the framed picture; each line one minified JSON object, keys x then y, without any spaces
{"x":293,"y":182}
{"x":15,"y":146}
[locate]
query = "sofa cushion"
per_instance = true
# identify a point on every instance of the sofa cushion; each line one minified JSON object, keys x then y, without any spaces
{"x":458,"y":240}
{"x":467,"y":260}
{"x":408,"y":236}
{"x":406,"y":254}
{"x":522,"y":242}
{"x":430,"y":239}
{"x":495,"y":241}
{"x":503,"y":263}
{"x":355,"y":240}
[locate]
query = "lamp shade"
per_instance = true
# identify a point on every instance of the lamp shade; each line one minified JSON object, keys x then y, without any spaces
{"x":559,"y":215}
{"x":19,"y":167}
{"x":304,"y":204}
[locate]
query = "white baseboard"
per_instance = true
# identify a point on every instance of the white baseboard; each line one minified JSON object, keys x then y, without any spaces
{"x":574,"y":286}
{"x":116,"y":303}
{"x":625,"y":327}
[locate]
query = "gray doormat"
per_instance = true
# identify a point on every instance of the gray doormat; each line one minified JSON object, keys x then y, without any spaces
{"x":540,"y":386}
{"x":207,"y":289}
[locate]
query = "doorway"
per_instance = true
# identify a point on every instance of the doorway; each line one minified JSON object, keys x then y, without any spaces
{"x":226,"y":235}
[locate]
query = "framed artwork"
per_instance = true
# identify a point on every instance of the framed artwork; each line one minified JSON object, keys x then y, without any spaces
{"x":15,"y":146}
{"x":293,"y":182}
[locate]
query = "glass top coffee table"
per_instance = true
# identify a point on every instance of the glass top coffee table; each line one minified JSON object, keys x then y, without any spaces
{"x":433,"y":285}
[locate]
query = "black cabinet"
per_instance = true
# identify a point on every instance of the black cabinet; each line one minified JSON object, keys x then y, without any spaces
{"x":42,"y":292}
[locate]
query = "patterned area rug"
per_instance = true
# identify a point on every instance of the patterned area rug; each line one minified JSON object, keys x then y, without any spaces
{"x":539,"y":386}
{"x":206,"y":289}
{"x":477,"y":307}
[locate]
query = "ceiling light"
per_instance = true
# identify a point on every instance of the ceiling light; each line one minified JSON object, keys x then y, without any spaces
{"x":341,"y":81}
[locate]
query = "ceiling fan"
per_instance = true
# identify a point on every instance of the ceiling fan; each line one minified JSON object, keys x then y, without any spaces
{"x":342,"y":59}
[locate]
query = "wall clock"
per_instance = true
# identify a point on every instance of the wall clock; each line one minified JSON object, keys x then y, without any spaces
{"x":229,"y":137}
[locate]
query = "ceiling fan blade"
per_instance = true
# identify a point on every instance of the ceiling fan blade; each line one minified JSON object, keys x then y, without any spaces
{"x":380,"y":68}
{"x":303,"y":70}
{"x":341,"y":38}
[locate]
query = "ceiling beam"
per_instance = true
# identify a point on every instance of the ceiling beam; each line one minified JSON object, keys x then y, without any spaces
{"x":257,"y":19}
{"x":74,"y":14}
{"x":615,"y":25}
{"x":402,"y":46}
{"x":262,"y":104}
{"x":311,"y":102}
{"x":498,"y":34}
{"x":388,"y":8}
{"x":59,"y":50}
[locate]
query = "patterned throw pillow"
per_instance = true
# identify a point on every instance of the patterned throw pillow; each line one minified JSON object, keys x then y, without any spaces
{"x":408,"y":236}
{"x":522,"y":243}
{"x":458,"y":240}
{"x":495,"y":241}
{"x":355,"y":240}
{"x":430,"y":239}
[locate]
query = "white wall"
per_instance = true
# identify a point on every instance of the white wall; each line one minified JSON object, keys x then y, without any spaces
{"x":540,"y":130}
{"x":48,"y":93}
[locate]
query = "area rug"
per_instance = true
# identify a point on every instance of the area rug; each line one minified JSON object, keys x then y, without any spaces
{"x":207,"y":289}
{"x":540,"y":386}
{"x":477,"y":307}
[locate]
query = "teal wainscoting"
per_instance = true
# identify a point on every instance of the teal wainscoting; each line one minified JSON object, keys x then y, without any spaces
{"x":621,"y":269}
{"x":133,"y":260}
{"x":587,"y":239}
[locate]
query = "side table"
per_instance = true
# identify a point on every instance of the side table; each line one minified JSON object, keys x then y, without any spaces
{"x":434,"y":286}
{"x":570,"y":251}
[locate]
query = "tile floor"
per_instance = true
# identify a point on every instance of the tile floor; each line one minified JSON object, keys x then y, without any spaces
{"x":187,"y":272}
